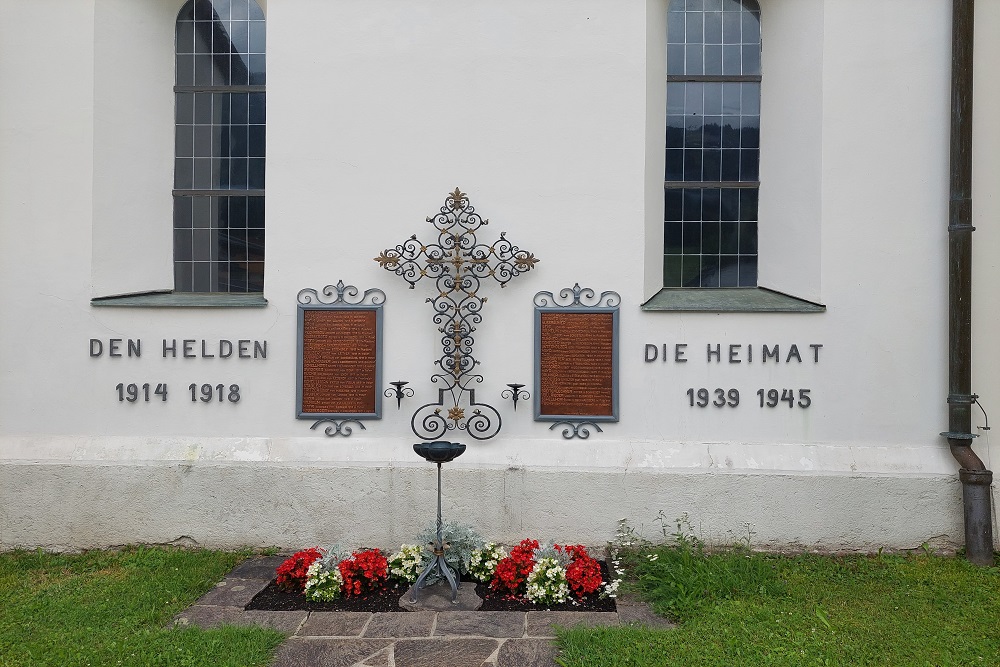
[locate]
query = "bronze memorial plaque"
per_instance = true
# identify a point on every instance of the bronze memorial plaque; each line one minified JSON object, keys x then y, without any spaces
{"x":576,"y":359}
{"x":339,"y":356}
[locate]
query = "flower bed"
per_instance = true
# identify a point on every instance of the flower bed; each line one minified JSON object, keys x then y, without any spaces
{"x":530,"y":576}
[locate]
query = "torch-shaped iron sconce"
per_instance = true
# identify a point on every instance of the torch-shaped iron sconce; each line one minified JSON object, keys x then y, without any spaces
{"x":439,"y":451}
{"x":398,"y":391}
{"x":515,"y":393}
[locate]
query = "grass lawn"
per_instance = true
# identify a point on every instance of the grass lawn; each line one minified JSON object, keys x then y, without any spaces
{"x":741,"y":608}
{"x":106,"y":608}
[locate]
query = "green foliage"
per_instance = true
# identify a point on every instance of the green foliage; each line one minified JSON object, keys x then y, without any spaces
{"x":743,"y":608}
{"x":332,"y":555}
{"x":111,"y":608}
{"x":681,"y":578}
{"x":462,"y":540}
{"x":561,"y":558}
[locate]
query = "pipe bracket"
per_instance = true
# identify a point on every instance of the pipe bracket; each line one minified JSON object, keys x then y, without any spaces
{"x":953,"y":435}
{"x":962,"y":399}
{"x":976,"y":477}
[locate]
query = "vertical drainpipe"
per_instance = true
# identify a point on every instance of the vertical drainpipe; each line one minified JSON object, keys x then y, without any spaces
{"x":976,"y":479}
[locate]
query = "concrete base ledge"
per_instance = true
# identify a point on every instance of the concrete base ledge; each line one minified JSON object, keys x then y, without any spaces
{"x":232,"y":504}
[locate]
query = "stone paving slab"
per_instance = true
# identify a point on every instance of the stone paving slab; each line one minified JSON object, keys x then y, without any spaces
{"x":232,"y":592}
{"x":205,"y":616}
{"x":541,"y":623}
{"x":463,"y":652}
{"x":330,"y":652}
{"x":380,"y":659}
{"x":400,"y":624}
{"x":334,"y":624}
{"x":480,"y":623}
{"x":527,"y":653}
{"x":641,"y":614}
{"x":437,"y":597}
{"x":257,"y":567}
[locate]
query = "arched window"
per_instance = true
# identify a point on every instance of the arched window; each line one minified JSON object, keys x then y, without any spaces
{"x":219,"y":147}
{"x":713,"y":143}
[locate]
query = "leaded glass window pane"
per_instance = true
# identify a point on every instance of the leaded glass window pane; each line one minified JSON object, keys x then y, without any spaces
{"x":219,"y":158}
{"x":712,"y":152}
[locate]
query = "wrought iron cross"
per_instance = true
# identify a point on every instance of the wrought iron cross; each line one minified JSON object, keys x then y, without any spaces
{"x":457,"y":264}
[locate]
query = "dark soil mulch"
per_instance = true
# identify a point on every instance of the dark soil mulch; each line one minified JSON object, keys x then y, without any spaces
{"x":274,"y":599}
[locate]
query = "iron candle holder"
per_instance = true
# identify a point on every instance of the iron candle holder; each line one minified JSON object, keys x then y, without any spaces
{"x":515,"y":393}
{"x":398,"y":391}
{"x":439,"y":451}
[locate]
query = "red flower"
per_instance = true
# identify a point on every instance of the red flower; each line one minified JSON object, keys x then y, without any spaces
{"x":364,"y":571}
{"x":583,"y":574}
{"x":292,"y":573}
{"x":512,"y":572}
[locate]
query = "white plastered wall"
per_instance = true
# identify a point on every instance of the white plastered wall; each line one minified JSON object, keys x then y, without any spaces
{"x":541,"y":113}
{"x":133,"y":47}
{"x":986,"y":239}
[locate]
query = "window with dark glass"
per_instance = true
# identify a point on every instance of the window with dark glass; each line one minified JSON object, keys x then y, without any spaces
{"x":713,"y":148}
{"x":219,"y":148}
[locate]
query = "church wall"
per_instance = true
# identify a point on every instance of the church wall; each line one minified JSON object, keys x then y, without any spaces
{"x":545,"y":115}
{"x":986,"y":239}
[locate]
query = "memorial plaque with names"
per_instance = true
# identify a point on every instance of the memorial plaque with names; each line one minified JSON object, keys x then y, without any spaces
{"x":339,"y":365}
{"x":577,"y":364}
{"x":576,"y":360}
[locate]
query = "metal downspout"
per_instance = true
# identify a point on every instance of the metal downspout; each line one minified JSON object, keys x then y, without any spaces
{"x":976,"y":479}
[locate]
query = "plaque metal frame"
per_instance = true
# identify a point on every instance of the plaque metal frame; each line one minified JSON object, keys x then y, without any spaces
{"x":339,"y":297}
{"x":577,"y":299}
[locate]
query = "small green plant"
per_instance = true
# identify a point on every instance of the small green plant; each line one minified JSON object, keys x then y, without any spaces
{"x":322,"y":584}
{"x":461,"y":539}
{"x":627,"y":537}
{"x":680,"y":577}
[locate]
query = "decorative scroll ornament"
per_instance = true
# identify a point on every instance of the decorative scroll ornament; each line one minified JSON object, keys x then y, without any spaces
{"x":344,"y":294}
{"x":577,"y":297}
{"x":576,"y":429}
{"x":338,"y":426}
{"x":399,"y":391}
{"x":457,"y":264}
{"x":515,"y":393}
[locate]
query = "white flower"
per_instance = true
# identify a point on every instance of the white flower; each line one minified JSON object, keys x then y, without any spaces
{"x":547,"y":582}
{"x":406,"y":563}
{"x":483,"y":562}
{"x":323,"y":585}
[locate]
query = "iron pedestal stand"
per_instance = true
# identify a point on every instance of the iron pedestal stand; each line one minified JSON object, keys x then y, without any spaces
{"x":439,"y":451}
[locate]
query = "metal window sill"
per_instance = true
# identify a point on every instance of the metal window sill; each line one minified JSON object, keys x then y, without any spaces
{"x":182,"y":300}
{"x":729,"y":300}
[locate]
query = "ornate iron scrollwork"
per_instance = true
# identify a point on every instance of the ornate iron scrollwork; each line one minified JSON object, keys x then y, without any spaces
{"x":338,"y":426}
{"x":515,"y":393}
{"x":340,"y":293}
{"x":457,"y":264}
{"x":576,"y":429}
{"x":577,"y":297}
{"x":399,"y":391}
